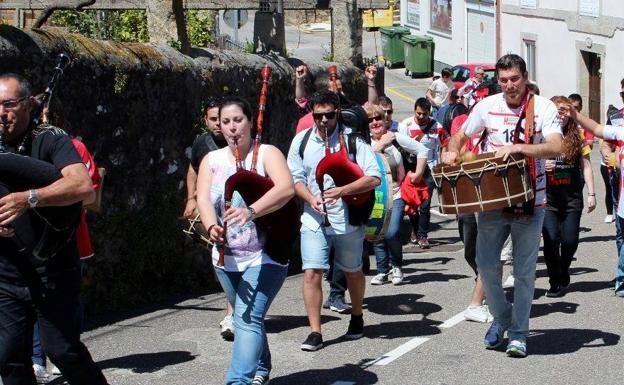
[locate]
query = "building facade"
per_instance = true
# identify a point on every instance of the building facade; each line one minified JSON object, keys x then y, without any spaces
{"x":570,"y":46}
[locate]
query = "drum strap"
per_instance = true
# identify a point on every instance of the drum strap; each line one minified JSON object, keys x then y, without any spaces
{"x":527,"y":113}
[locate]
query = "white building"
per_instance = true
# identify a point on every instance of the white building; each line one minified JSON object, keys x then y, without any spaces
{"x":569,"y":45}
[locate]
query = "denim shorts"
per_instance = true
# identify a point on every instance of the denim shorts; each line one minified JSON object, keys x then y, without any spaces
{"x":315,"y":247}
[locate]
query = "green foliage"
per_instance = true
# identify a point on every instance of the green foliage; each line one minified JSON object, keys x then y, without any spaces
{"x":122,"y":26}
{"x":131,"y":25}
{"x":200,"y":26}
{"x":249,"y":47}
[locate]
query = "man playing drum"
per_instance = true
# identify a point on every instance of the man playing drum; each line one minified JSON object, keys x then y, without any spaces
{"x":499,"y":116}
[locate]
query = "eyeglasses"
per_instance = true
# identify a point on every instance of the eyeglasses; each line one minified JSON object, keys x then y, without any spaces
{"x":11,"y":104}
{"x":389,"y":111}
{"x":328,"y":115}
{"x":375,"y":118}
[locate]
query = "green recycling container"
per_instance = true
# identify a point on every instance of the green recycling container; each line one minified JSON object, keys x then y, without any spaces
{"x":392,"y":47}
{"x":418,"y":55}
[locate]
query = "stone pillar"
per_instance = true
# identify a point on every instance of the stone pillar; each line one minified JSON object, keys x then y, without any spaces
{"x":166,"y":23}
{"x":269,"y":34}
{"x":347,"y":32}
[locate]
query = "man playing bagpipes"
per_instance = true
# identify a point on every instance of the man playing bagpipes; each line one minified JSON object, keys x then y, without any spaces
{"x":328,"y":221}
{"x":39,"y":265}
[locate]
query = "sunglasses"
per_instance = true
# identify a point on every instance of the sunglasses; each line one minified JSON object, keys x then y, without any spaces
{"x":11,"y":104}
{"x":376,"y":118}
{"x":328,"y":115}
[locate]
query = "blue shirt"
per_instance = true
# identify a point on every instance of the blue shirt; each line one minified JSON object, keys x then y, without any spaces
{"x":304,"y":171}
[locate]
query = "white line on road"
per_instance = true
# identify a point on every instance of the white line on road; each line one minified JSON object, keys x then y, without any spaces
{"x":399,"y":351}
{"x":454,"y":320}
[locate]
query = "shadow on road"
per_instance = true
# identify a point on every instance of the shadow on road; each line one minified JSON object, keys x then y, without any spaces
{"x":147,"y":362}
{"x":598,"y":238}
{"x":280,"y":323}
{"x":348,"y":374}
{"x":401,"y":304}
{"x":542,"y":309}
{"x":439,"y":260}
{"x":563,"y":341}
{"x":432,"y":277}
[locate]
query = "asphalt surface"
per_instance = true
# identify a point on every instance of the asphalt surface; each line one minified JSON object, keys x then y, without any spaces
{"x":414,"y":332}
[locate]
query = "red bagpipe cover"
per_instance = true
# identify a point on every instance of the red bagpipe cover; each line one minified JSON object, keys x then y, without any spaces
{"x":413,"y":195}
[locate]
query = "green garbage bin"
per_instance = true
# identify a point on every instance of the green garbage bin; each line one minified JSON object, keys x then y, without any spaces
{"x":418,"y":55}
{"x":392,"y":47}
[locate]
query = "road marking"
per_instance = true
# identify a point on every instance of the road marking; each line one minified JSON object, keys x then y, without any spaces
{"x":449,"y":323}
{"x":398,"y":352}
{"x":400,"y":94}
{"x":344,"y":383}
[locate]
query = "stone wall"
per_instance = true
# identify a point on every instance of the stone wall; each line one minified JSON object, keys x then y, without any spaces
{"x":137,"y":108}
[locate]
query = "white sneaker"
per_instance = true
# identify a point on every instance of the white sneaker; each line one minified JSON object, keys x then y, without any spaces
{"x":397,"y":276}
{"x":509,"y":282}
{"x":379,"y":279}
{"x":227,"y":328}
{"x":41,"y":374}
{"x":478,"y":313}
{"x":53,"y":369}
{"x":608,"y":219}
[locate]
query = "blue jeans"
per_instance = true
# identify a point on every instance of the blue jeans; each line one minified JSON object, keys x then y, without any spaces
{"x":251,"y":293}
{"x":420,"y":220}
{"x":38,"y":357}
{"x":493,"y":229}
{"x":619,"y":272}
{"x":391,"y":244}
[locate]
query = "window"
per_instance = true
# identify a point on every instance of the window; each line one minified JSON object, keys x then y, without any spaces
{"x":529,"y":57}
{"x":460,"y":74}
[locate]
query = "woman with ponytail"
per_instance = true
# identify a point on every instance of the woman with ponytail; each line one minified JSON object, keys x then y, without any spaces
{"x":566,"y":176}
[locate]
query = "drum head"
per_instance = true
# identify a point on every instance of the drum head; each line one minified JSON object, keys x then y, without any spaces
{"x":382,"y":210}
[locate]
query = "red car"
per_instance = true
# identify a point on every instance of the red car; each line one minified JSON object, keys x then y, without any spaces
{"x":463,"y":72}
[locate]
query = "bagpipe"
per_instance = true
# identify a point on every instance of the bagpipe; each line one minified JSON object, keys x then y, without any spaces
{"x":44,"y":231}
{"x":343,"y":171}
{"x":281,"y":226}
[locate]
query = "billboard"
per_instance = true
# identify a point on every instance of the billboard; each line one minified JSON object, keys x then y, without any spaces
{"x":441,"y":11}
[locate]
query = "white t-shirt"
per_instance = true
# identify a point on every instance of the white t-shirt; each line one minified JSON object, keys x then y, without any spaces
{"x":440,"y":91}
{"x":493,"y":114}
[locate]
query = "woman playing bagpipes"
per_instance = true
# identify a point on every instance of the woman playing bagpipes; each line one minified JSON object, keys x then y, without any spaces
{"x":250,"y":276}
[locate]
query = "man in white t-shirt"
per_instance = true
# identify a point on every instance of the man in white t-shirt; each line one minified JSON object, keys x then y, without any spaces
{"x":498,"y":115}
{"x":438,"y":92}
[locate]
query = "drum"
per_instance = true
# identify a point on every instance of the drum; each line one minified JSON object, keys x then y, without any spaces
{"x":486,"y":183}
{"x":197,"y":232}
{"x":379,"y":219}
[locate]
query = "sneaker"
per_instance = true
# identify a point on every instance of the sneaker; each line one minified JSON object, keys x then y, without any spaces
{"x":554,"y":291}
{"x":423,"y":243}
{"x":338,"y":305}
{"x":413,"y":238}
{"x":608,"y":219}
{"x":260,"y":380}
{"x":313,"y":343}
{"x":356,"y":327}
{"x":54,"y":369}
{"x":379,"y":279}
{"x":509,"y":282}
{"x":516,"y":348}
{"x":478,"y":313}
{"x":41,"y":374}
{"x":227,"y":329}
{"x":397,"y":276}
{"x":495,"y":335}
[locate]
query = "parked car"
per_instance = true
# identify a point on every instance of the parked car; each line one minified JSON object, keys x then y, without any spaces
{"x":463,"y":72}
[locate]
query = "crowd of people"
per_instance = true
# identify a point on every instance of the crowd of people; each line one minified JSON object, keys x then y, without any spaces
{"x":505,"y":118}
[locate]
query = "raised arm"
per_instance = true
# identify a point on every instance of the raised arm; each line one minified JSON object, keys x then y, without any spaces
{"x":371,"y":73}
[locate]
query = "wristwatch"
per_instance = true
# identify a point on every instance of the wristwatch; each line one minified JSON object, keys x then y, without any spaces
{"x":33,"y":198}
{"x":252,"y":213}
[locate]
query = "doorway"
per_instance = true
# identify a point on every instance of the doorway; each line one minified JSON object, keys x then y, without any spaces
{"x":592,"y":65}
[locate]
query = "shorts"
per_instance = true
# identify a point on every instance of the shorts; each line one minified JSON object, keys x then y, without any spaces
{"x":315,"y":247}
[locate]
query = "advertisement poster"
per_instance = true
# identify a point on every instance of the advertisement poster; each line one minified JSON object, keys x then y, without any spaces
{"x":441,"y":11}
{"x":413,"y":13}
